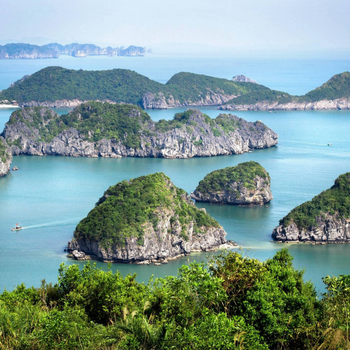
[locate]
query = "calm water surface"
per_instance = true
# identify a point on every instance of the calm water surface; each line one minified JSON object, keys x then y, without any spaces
{"x":49,"y":195}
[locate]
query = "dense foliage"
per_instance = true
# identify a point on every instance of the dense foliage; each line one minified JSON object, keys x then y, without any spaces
{"x":335,"y":200}
{"x":119,"y":85}
{"x":265,"y":95}
{"x":93,"y":120}
{"x":243,"y":173}
{"x":234,"y":302}
{"x":127,"y":207}
{"x":56,"y":83}
{"x":97,"y":120}
{"x":336,"y":87}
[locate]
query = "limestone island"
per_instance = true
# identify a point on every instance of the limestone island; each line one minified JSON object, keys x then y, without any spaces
{"x":96,"y":129}
{"x":145,"y":220}
{"x":58,"y":87}
{"x":5,"y":157}
{"x":324,"y":219}
{"x":244,"y":184}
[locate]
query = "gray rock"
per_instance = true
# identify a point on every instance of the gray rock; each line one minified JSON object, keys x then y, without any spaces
{"x":194,"y":139}
{"x":5,"y":158}
{"x":329,"y":229}
{"x":163,"y":243}
{"x":243,"y":79}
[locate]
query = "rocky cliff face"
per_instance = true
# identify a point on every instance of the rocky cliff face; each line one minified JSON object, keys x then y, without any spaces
{"x":159,"y":101}
{"x":238,"y":194}
{"x":5,"y":157}
{"x":158,"y":244}
{"x":198,"y":137}
{"x":329,"y":229}
{"x":341,"y":104}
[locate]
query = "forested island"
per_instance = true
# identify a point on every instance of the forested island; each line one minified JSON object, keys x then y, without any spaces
{"x":247,"y":183}
{"x":145,"y":220}
{"x":54,"y":50}
{"x":59,"y":87}
{"x":324,"y":219}
{"x":232,"y":302}
{"x":96,"y":129}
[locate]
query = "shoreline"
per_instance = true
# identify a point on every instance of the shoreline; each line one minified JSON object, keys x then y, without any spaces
{"x":9,"y":107}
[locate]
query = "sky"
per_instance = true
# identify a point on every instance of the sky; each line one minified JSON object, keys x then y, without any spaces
{"x":265,"y":25}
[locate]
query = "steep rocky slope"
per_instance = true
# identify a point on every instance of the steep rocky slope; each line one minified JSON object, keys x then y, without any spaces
{"x":5,"y":157}
{"x":144,"y":220}
{"x":96,"y":129}
{"x":245,"y":184}
{"x":326,"y":218}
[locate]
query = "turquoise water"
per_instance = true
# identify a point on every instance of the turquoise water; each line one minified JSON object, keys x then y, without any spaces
{"x":49,"y":195}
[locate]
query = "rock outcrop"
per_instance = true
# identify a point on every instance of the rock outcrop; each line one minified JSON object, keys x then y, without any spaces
{"x":167,"y":227}
{"x":245,"y":184}
{"x":328,"y":228}
{"x":243,"y":79}
{"x":341,"y":104}
{"x":5,"y":157}
{"x":196,"y":135}
{"x":324,"y":219}
{"x":160,"y":101}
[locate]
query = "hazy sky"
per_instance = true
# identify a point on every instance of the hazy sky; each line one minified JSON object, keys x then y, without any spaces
{"x":245,"y":24}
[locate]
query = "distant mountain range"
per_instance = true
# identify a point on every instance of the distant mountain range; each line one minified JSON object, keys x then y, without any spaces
{"x":57,"y":87}
{"x":54,"y":50}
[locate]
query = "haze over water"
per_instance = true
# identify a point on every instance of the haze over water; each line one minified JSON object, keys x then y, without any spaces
{"x":49,"y":195}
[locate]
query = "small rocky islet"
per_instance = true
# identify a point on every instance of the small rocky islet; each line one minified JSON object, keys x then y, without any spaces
{"x":96,"y":129}
{"x":247,"y":183}
{"x":145,"y":220}
{"x":324,"y":219}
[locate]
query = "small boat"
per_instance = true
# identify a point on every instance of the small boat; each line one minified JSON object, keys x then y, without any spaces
{"x":17,"y":228}
{"x":329,"y":144}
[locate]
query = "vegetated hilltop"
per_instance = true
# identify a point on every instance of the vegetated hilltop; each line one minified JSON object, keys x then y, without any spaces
{"x":54,"y":50}
{"x":234,"y":302}
{"x":96,"y":129}
{"x":335,"y":88}
{"x":60,"y":87}
{"x":326,"y":218}
{"x":246,"y":183}
{"x":147,"y":219}
{"x":5,"y":157}
{"x":334,"y":94}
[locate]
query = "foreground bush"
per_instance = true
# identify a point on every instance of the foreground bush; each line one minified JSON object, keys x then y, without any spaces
{"x":234,"y":302}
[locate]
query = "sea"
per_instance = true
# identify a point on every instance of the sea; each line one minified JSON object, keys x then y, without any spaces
{"x":49,"y":195}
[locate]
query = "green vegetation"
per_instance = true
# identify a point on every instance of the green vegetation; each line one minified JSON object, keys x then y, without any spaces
{"x":4,"y":156}
{"x":193,"y":87}
{"x":336,"y":87}
{"x":127,"y":207}
{"x":243,"y":173}
{"x":233,"y":302}
{"x":93,"y":120}
{"x":56,"y":83}
{"x":119,"y":85}
{"x":265,"y":95}
{"x":335,"y":200}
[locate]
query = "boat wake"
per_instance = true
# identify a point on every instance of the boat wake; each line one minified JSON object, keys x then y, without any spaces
{"x":308,"y":143}
{"x":67,"y":222}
